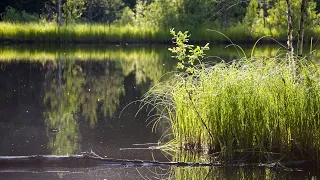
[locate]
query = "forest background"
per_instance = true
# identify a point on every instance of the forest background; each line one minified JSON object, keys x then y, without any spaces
{"x":241,"y":20}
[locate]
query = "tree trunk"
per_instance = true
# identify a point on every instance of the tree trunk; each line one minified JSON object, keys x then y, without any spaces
{"x":90,"y":11}
{"x":59,"y":13}
{"x":265,"y":14}
{"x":289,"y":42}
{"x":304,"y":6}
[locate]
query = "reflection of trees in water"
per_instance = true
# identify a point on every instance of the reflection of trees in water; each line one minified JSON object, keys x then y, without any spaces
{"x":102,"y":90}
{"x":75,"y":89}
{"x":91,"y":89}
{"x":63,"y":90}
{"x":146,"y":67}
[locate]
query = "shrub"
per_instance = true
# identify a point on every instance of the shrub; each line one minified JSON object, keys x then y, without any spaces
{"x":13,"y":15}
{"x":127,"y":17}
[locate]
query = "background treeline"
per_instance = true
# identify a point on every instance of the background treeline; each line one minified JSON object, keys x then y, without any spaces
{"x":158,"y":13}
{"x":246,"y":18}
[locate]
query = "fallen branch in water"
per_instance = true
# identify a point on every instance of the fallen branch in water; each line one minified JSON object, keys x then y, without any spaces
{"x":83,"y":160}
{"x":93,"y":160}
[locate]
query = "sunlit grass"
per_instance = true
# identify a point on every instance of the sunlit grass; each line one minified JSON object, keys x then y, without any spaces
{"x":103,"y":33}
{"x":254,"y":106}
{"x":79,"y":33}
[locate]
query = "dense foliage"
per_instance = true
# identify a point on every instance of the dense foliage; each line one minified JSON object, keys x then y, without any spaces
{"x":163,"y":13}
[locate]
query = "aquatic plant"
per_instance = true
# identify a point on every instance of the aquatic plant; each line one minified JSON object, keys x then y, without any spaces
{"x":253,"y":109}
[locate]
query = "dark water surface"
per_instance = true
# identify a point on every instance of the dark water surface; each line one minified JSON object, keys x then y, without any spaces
{"x":71,"y":99}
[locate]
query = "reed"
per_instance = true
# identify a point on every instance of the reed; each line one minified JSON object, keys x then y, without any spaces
{"x":255,"y":108}
{"x":104,"y":33}
{"x":78,"y":33}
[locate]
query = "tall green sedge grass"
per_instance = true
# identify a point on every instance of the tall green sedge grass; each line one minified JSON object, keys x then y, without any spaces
{"x":78,"y":33}
{"x":255,"y":108}
{"x":103,"y":33}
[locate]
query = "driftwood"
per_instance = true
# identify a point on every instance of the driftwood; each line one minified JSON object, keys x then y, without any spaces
{"x":83,"y":160}
{"x":92,"y":160}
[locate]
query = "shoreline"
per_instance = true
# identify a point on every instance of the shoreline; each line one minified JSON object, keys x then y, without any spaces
{"x":136,"y":43}
{"x":49,"y":33}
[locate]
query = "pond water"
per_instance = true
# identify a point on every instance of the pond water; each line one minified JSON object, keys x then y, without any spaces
{"x":64,"y":100}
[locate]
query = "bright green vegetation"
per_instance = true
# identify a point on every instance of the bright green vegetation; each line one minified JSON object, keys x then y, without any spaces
{"x":255,"y":109}
{"x":102,"y":33}
{"x":254,"y":106}
{"x":78,"y":33}
{"x":146,"y":21}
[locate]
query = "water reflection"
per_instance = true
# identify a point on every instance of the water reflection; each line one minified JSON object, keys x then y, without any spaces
{"x":81,"y":93}
{"x":149,"y":62}
{"x":233,"y":171}
{"x":64,"y":100}
{"x":256,"y":173}
{"x":90,"y":90}
{"x":63,"y":89}
{"x":83,"y":86}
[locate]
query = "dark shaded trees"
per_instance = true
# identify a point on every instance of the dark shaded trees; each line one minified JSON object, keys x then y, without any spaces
{"x":130,"y":3}
{"x":30,"y":6}
{"x":303,"y":14}
{"x":189,"y":13}
{"x":103,"y":10}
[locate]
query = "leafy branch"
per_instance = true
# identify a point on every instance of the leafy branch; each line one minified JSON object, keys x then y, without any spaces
{"x":186,"y":52}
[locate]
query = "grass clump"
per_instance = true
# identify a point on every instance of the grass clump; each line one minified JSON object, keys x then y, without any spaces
{"x":253,"y":106}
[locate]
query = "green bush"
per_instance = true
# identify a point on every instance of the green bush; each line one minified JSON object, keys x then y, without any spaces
{"x":13,"y":15}
{"x":127,"y":17}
